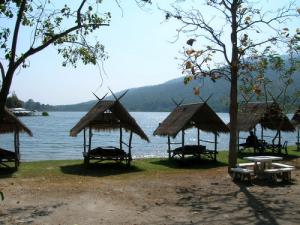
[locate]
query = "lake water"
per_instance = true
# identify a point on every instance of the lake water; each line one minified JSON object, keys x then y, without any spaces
{"x":51,"y":138}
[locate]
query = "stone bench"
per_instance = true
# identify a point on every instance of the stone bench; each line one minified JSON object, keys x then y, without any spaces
{"x":249,"y":164}
{"x":284,"y":172}
{"x":242,"y":173}
{"x":281,"y":165}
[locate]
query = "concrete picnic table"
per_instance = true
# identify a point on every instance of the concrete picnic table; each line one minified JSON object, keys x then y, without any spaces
{"x":262,"y":162}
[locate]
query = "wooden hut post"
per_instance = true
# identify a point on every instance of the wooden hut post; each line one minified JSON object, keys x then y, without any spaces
{"x":261,"y":132}
{"x":129,"y":146}
{"x":17,"y":147}
{"x":84,"y":141}
{"x":298,"y":139}
{"x":238,"y":140}
{"x":198,"y":135}
{"x":182,"y":140}
{"x":15,"y":142}
{"x":90,"y":139}
{"x":169,"y":147}
{"x":121,"y":137}
{"x":216,"y":146}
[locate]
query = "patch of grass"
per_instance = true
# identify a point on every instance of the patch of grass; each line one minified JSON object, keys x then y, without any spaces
{"x":67,"y":168}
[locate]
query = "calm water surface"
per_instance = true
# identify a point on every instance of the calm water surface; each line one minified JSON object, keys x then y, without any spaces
{"x":51,"y":138}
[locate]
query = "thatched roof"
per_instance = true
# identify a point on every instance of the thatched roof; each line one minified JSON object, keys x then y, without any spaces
{"x":268,"y":114}
{"x":296,"y":118}
{"x":11,"y":124}
{"x":108,"y":115}
{"x":193,"y":115}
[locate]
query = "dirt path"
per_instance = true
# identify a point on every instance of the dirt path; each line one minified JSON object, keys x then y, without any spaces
{"x":201,"y":197}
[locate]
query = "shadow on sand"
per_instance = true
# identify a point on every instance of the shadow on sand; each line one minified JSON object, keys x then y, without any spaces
{"x":189,"y":163}
{"x":99,"y":169}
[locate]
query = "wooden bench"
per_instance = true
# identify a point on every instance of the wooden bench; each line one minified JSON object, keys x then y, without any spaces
{"x":9,"y":156}
{"x":242,"y":173}
{"x":298,"y":145}
{"x":106,"y":153}
{"x":193,"y":150}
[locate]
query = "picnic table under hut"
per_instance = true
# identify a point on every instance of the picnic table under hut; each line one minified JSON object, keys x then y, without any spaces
{"x":296,"y":123}
{"x":183,"y":117}
{"x":107,"y":115}
{"x":270,"y":116}
{"x":11,"y":124}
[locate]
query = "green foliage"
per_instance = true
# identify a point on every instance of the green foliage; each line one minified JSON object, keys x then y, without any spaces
{"x":32,"y":105}
{"x":14,"y":102}
{"x":45,"y":114}
{"x":67,"y":28}
{"x":253,"y":51}
{"x":54,"y":169}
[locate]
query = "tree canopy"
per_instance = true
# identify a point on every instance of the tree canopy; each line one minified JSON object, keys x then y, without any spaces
{"x":241,"y":35}
{"x":31,"y":26}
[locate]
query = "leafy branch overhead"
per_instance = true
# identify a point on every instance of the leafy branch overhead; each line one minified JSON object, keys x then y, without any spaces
{"x":67,"y":28}
{"x":231,"y":39}
{"x":253,"y":42}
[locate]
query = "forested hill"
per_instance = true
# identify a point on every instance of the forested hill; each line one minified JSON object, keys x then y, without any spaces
{"x":159,"y":97}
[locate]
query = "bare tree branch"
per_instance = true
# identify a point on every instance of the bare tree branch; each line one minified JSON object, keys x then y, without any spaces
{"x":54,"y":38}
{"x":2,"y":71}
{"x":16,"y":32}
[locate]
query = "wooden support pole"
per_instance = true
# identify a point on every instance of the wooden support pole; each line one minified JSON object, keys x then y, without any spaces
{"x":216,"y":146}
{"x":15,"y":141}
{"x":198,"y":135}
{"x":182,"y":138}
{"x":84,"y":141}
{"x":298,"y":139}
{"x":262,"y":133}
{"x":90,"y":139}
{"x":238,"y":140}
{"x":129,"y":146}
{"x":279,"y":137}
{"x":18,"y":142}
{"x":121,"y":137}
{"x":169,"y":147}
{"x":279,"y":141}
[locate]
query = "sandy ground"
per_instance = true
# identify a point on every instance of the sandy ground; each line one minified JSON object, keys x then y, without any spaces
{"x":198,"y":197}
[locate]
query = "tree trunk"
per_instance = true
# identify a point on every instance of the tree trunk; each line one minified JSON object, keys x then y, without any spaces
{"x":233,"y":90}
{"x":5,"y":91}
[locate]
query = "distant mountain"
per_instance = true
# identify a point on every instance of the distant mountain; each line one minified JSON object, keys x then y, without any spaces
{"x":159,"y":97}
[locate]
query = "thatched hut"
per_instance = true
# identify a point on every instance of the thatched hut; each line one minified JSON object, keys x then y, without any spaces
{"x":11,"y":124}
{"x":296,"y":123}
{"x":183,"y":117}
{"x":268,"y":114}
{"x":107,"y":115}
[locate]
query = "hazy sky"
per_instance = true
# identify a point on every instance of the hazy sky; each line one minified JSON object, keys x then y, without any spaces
{"x":138,"y":43}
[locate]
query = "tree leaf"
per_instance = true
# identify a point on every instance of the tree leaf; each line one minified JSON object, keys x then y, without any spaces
{"x":191,"y":41}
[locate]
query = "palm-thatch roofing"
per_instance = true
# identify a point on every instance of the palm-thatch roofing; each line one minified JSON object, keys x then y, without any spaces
{"x":11,"y":124}
{"x":108,"y":115}
{"x":268,"y":114}
{"x":296,"y":118}
{"x":198,"y":115}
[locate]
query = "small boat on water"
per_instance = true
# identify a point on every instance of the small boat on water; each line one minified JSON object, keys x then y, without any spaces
{"x":21,"y":112}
